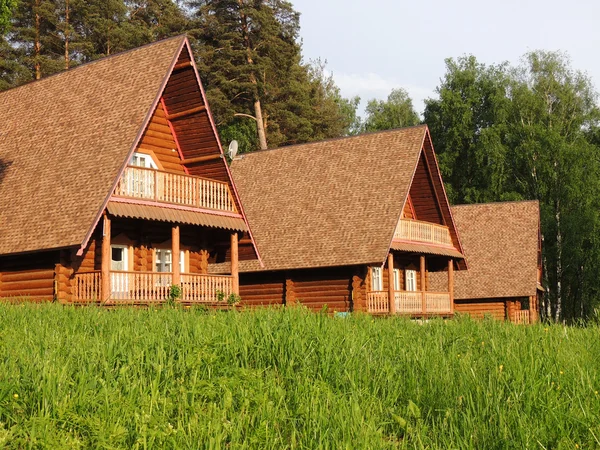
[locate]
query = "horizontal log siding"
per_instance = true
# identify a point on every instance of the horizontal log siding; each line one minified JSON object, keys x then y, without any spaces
{"x":262,"y":289}
{"x":29,"y":277}
{"x":479,"y":308}
{"x":423,"y":196}
{"x":159,"y":140}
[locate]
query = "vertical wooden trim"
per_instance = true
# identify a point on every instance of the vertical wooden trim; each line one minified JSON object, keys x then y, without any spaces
{"x":235,"y":271}
{"x":532,"y":310}
{"x":391,"y":296}
{"x":175,"y":256}
{"x":451,"y":284}
{"x":105,"y":288}
{"x":422,"y":273}
{"x":290,"y":295}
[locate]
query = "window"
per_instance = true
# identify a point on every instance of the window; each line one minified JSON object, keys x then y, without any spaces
{"x":396,"y":279}
{"x":164,"y":261}
{"x":118,"y":257}
{"x":376,"y":279}
{"x":411,"y":280}
{"x":143,"y":160}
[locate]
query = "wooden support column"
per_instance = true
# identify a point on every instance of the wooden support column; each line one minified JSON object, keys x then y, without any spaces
{"x":532,"y":309}
{"x":422,"y":273}
{"x":105,"y":264}
{"x":235,"y":269}
{"x":391,"y":291}
{"x":451,"y":284}
{"x":175,"y":257}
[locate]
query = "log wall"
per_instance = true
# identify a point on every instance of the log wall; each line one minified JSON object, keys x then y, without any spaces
{"x":479,"y":308}
{"x":28,"y":277}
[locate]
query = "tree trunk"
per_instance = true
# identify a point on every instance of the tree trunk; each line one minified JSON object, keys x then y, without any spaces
{"x":558,"y":310}
{"x":37,"y":46}
{"x":67,"y":58}
{"x":260,"y":128}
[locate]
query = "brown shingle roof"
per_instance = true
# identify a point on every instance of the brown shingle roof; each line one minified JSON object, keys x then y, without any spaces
{"x":328,"y":203}
{"x":500,"y":242}
{"x":63,"y":140}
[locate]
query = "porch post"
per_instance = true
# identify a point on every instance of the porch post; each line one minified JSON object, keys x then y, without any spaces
{"x":235,"y":271}
{"x":175,"y":255}
{"x":451,"y":284}
{"x":391,"y":291}
{"x":424,"y":300}
{"x":105,"y":265}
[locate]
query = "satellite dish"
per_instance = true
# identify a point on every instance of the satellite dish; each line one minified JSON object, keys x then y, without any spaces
{"x":233,"y":149}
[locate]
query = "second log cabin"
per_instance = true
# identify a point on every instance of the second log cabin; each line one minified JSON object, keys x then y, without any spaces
{"x":351,"y":224}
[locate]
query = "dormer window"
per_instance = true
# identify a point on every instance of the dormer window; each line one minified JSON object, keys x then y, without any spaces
{"x":143,"y":160}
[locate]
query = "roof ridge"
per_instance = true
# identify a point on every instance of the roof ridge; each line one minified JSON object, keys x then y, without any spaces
{"x":340,"y":138}
{"x":502,"y":202}
{"x":63,"y":72}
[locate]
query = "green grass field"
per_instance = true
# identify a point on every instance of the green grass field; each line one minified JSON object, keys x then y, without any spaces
{"x":170,"y":378}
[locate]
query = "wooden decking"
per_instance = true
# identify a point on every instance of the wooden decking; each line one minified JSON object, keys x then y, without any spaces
{"x":423,"y":232}
{"x":150,"y":287}
{"x":410,"y":303}
{"x":172,"y":188}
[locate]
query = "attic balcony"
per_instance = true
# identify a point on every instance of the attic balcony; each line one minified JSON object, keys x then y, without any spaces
{"x":176,"y":189}
{"x":423,"y":232}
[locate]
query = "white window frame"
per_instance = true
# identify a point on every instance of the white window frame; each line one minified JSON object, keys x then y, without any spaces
{"x":151,"y":164}
{"x":410,"y":278}
{"x":376,"y":279}
{"x":160,"y":251}
{"x":396,"y":279}
{"x":125,"y":249}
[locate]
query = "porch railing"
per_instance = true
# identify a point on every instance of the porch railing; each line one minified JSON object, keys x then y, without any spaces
{"x":430,"y":233}
{"x":167,"y":187}
{"x":522,"y":316}
{"x":150,"y":287}
{"x":197,"y":288}
{"x":410,"y":302}
{"x":86,"y":286}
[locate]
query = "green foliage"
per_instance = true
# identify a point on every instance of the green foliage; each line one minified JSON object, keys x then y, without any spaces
{"x":6,"y":11}
{"x":174,"y":294}
{"x":396,"y":112}
{"x":529,"y":132}
{"x":173,"y":378}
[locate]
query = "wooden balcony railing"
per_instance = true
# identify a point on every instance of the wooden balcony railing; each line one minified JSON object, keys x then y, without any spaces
{"x":410,"y":302}
{"x":167,"y":187}
{"x":430,"y":233}
{"x":150,"y":287}
{"x":204,"y":288}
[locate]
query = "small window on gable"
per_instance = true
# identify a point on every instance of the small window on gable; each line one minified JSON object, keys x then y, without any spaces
{"x":143,"y":160}
{"x":396,"y":279}
{"x":376,"y":279}
{"x":411,"y":280}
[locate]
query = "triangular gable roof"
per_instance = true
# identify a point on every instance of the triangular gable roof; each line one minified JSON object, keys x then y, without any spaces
{"x":501,"y":242}
{"x":330,"y":203}
{"x":66,"y":139}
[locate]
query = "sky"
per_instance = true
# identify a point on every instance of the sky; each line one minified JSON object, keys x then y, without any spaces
{"x":373,"y":46}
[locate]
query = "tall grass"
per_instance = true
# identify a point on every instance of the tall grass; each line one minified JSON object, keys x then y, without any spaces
{"x":169,"y":378}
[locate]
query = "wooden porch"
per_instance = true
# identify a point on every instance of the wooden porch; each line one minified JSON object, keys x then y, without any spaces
{"x":410,"y":303}
{"x":173,"y":188}
{"x":150,"y":287}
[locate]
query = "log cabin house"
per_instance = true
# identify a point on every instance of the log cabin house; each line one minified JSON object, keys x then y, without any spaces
{"x":113,"y":185}
{"x":502,"y":243}
{"x":351,"y":224}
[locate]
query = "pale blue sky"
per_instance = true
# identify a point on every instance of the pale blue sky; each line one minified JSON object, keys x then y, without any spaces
{"x":373,"y":46}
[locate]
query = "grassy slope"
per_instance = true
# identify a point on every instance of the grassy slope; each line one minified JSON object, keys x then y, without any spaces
{"x":270,"y":379}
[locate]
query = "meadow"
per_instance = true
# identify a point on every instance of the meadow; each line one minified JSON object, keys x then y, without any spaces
{"x":287,"y":378}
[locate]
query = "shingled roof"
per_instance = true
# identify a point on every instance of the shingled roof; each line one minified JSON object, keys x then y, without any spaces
{"x":500,"y":242}
{"x":329,"y":203}
{"x":65,"y":139}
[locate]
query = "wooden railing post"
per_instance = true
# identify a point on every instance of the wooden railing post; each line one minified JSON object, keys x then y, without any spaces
{"x":451,"y":284}
{"x":175,"y":255}
{"x":422,"y":273}
{"x":391,"y":296}
{"x":235,"y":272}
{"x":105,"y":272}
